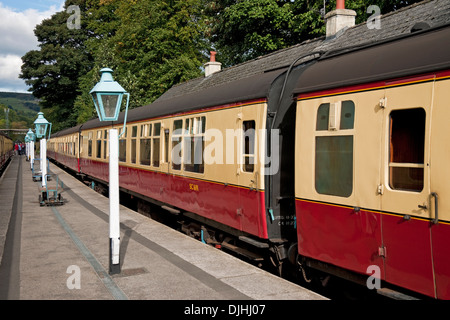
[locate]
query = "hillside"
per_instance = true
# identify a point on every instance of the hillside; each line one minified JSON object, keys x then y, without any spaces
{"x":23,"y":109}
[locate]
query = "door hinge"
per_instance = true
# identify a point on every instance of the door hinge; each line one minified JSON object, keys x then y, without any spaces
{"x":382,"y":251}
{"x":380,"y":189}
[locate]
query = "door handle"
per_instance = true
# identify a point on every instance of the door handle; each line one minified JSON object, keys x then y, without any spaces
{"x":436,"y":214}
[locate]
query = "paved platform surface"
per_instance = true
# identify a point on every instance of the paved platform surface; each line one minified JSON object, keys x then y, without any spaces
{"x":61,"y":253}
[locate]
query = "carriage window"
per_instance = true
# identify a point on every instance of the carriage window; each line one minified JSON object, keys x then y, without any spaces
{"x":156,"y":143}
{"x":322,"y":116}
{"x":133,"y":143}
{"x":334,"y":165}
{"x":177,"y":125}
{"x":105,"y":143}
{"x":347,"y":115}
{"x":166,"y":145}
{"x":176,"y":144}
{"x":99,"y":144}
{"x":123,"y":149}
{"x":249,"y":145}
{"x":145,"y":149}
{"x":145,"y":145}
{"x":194,"y":144}
{"x":407,"y":145}
{"x":90,"y":144}
{"x":334,"y":149}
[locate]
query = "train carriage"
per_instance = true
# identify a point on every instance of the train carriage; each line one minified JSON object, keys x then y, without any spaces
{"x":64,"y":147}
{"x":371,"y":151}
{"x":224,"y":185}
{"x":6,"y":150}
{"x":321,"y":163}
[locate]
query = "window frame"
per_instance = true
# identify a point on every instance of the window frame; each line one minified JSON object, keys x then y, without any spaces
{"x":194,"y":132}
{"x":251,"y":151}
{"x":145,"y":136}
{"x":327,"y":178}
{"x":402,"y":165}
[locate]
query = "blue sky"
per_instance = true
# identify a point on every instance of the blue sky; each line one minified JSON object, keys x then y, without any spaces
{"x":18,"y":18}
{"x":40,"y":5}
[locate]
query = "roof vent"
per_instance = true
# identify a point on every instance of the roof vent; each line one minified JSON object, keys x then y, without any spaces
{"x":212,"y":66}
{"x":420,"y":26}
{"x":339,"y":19}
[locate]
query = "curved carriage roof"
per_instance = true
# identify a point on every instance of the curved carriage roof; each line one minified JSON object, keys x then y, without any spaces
{"x":240,"y":90}
{"x":66,"y":131}
{"x":427,"y":51}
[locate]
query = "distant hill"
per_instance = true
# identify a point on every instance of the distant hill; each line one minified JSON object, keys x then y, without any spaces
{"x":20,"y":101}
{"x":23,"y":109}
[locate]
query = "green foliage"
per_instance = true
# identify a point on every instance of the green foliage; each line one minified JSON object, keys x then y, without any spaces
{"x":152,"y":45}
{"x":54,"y":69}
{"x":245,"y":29}
{"x":18,"y":119}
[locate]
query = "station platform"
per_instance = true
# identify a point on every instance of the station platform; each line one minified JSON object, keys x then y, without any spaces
{"x":62,"y":252}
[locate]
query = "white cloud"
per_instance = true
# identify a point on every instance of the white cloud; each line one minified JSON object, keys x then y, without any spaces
{"x":17,"y":38}
{"x":9,"y":66}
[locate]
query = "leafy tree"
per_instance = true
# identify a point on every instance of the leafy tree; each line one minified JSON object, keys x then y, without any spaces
{"x":245,"y":29}
{"x":53,"y":70}
{"x":151,"y":45}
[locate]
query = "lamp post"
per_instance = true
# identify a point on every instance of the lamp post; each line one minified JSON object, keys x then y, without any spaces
{"x":27,"y":146}
{"x":31,"y":140}
{"x":42,"y":125}
{"x":107,"y":95}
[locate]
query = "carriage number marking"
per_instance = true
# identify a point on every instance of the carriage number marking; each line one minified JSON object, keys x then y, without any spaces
{"x":193,"y":187}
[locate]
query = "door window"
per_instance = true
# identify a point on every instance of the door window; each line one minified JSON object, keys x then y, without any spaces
{"x":407,"y":145}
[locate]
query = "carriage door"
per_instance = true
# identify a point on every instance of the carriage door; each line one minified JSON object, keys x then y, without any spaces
{"x":405,"y":197}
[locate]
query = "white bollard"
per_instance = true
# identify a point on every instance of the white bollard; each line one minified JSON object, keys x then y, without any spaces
{"x":31,"y":154}
{"x":44,"y":161}
{"x":114,"y":219}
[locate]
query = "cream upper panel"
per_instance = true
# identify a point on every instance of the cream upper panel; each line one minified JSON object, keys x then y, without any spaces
{"x":440,"y":148}
{"x":224,"y":145}
{"x":372,"y":158}
{"x":363,"y":142}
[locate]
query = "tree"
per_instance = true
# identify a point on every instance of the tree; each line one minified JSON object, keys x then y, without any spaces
{"x":154,"y":46}
{"x":245,"y":29}
{"x":53,"y":70}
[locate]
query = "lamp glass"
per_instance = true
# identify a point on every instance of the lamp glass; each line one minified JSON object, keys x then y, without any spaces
{"x":110,"y":104}
{"x":41,"y":128}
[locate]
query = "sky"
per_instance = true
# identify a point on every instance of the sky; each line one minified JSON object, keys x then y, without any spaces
{"x":18,"y":18}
